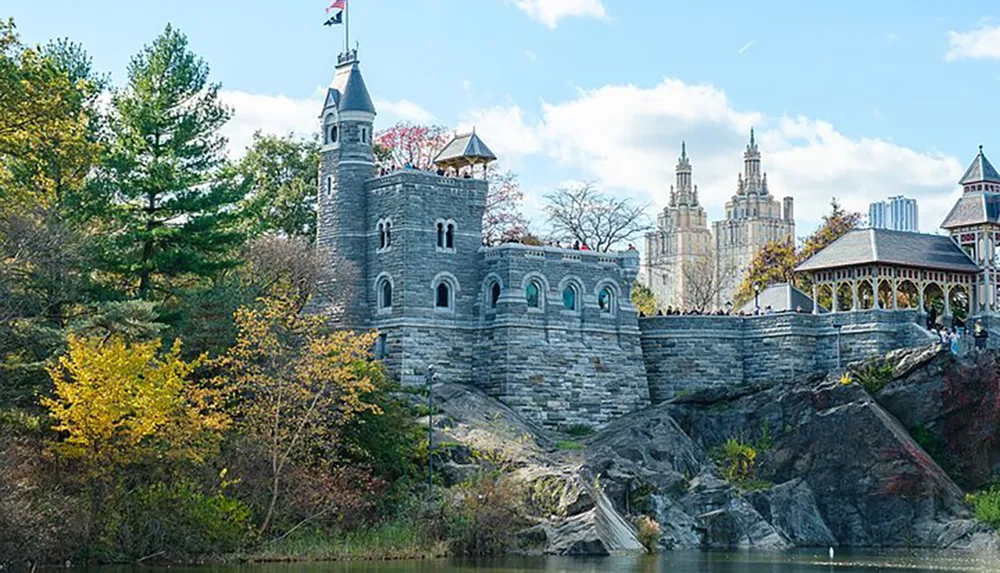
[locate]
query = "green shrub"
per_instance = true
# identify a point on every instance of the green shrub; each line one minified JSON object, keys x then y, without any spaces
{"x":568,"y":445}
{"x":874,"y":376}
{"x":986,"y":504}
{"x":579,"y":430}
{"x":175,"y":521}
{"x":737,"y":462}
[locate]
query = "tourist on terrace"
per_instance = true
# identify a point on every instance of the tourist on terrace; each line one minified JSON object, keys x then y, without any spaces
{"x":955,"y":343}
{"x":981,"y":335}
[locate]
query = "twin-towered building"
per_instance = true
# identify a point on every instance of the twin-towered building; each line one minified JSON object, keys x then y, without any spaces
{"x":686,"y":265}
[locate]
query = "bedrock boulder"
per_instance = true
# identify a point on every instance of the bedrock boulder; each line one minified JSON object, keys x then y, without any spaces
{"x":872,"y":485}
{"x":950,"y":405}
{"x":833,"y":468}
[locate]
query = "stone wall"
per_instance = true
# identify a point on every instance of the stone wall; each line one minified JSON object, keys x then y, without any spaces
{"x":691,"y":352}
{"x":567,"y":361}
{"x":418,"y":332}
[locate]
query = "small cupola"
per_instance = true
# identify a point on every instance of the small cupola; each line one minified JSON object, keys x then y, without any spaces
{"x":465,"y":151}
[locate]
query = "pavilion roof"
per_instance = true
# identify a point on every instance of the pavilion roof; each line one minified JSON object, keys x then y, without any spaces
{"x":873,"y":246}
{"x":464,"y":150}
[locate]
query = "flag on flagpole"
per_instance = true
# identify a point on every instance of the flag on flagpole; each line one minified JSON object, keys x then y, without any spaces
{"x":337,"y":18}
{"x":337,"y":5}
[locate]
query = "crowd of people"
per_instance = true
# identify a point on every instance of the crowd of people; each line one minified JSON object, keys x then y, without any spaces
{"x":465,"y":173}
{"x":956,"y":338}
{"x":766,"y":311}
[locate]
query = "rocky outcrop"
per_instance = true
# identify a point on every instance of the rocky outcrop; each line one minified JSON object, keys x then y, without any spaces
{"x":833,"y":468}
{"x":950,"y":405}
{"x":872,"y":484}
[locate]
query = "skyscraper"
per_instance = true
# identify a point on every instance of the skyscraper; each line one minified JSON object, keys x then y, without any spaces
{"x":754,"y":218}
{"x":898,"y":213}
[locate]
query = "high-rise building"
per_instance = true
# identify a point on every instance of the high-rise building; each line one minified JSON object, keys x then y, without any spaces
{"x":677,"y":255}
{"x":898,"y":214}
{"x":754,"y":218}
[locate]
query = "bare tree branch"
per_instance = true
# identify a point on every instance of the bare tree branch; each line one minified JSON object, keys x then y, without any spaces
{"x":601,"y":222}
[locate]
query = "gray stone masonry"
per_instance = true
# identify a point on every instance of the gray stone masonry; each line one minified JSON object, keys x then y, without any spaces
{"x":419,"y":332}
{"x":568,"y":360}
{"x":341,"y":226}
{"x":691,"y":352}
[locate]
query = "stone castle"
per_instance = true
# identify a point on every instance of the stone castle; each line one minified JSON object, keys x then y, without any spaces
{"x":552,"y":332}
{"x":689,"y":267}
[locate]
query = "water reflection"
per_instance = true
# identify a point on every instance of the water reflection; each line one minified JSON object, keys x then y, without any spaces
{"x":675,"y":562}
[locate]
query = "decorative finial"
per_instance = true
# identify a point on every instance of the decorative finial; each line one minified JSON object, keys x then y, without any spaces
{"x":684,"y":152}
{"x":751,"y":137}
{"x":473,"y":129}
{"x":980,"y":148}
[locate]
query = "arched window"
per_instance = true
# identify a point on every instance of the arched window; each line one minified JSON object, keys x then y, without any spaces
{"x":381,"y":234}
{"x":494,"y":295}
{"x":385,"y":294}
{"x":388,"y":234}
{"x":330,"y":129}
{"x":440,"y":235}
{"x":449,"y":241}
{"x":569,"y":298}
{"x":443,"y":296}
{"x":606,"y":300}
{"x":532,"y":294}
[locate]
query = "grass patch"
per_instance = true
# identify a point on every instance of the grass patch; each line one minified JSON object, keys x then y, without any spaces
{"x":568,"y":445}
{"x":390,"y":541}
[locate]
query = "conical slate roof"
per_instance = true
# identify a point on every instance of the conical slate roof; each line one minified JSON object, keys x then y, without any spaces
{"x":464,"y":150}
{"x":348,"y":89}
{"x":981,"y":171}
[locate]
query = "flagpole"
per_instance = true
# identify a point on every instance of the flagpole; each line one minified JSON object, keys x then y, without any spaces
{"x":347,"y":27}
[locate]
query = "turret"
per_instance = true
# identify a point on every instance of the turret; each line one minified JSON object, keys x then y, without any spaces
{"x":347,"y":162}
{"x":751,"y":164}
{"x":788,"y":205}
{"x":684,"y":193}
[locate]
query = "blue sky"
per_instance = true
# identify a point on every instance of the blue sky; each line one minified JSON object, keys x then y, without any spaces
{"x":858,"y":100}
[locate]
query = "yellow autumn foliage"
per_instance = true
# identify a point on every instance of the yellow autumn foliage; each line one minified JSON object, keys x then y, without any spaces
{"x":118,"y":403}
{"x":292,"y":386}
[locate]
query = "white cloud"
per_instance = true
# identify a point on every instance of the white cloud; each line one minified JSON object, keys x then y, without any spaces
{"x":549,"y":12}
{"x":745,"y":47}
{"x":628,"y":138}
{"x":982,"y":42}
{"x":403,"y":110}
{"x":282,"y":115}
{"x":891,"y":36}
{"x":279,"y":115}
{"x":531,"y":55}
{"x":510,"y":137}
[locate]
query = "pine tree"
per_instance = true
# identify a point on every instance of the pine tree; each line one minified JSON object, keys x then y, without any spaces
{"x":171,"y":213}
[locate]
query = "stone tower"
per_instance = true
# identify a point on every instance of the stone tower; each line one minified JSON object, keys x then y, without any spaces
{"x":754,"y":218}
{"x":347,"y":164}
{"x":678,"y":250}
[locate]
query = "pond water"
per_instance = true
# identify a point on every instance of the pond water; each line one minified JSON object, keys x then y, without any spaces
{"x":803,"y":561}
